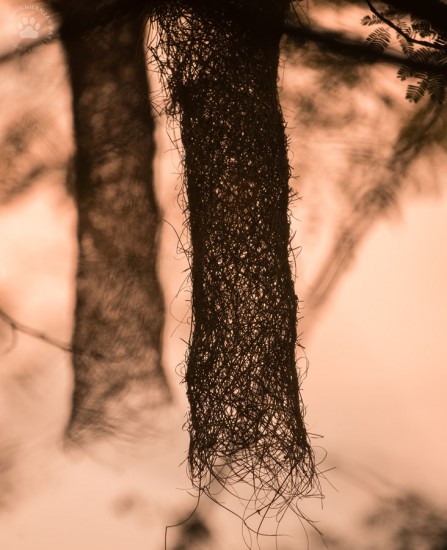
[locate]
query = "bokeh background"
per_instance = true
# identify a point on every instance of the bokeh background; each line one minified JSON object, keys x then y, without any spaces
{"x":370,"y":229}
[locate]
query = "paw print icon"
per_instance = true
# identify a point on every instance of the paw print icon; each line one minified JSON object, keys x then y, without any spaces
{"x":28,"y":27}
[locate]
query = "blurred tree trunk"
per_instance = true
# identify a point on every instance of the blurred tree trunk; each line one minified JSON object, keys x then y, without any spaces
{"x":119,"y":306}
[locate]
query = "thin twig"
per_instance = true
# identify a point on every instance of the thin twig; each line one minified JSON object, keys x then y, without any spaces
{"x":39,"y":335}
{"x":29,"y":331}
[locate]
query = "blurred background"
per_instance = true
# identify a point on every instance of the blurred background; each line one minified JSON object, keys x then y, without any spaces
{"x":370,"y":225}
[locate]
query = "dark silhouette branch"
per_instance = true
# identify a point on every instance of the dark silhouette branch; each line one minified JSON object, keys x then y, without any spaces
{"x":355,"y":49}
{"x":433,"y":11}
{"x":402,"y":32}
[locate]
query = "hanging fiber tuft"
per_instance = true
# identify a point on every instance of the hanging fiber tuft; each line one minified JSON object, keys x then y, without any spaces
{"x":219,"y":62}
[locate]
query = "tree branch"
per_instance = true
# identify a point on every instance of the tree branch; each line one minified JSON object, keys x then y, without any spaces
{"x":433,"y":11}
{"x":39,"y":335}
{"x":401,"y":32}
{"x":20,"y":327}
{"x":356,"y":49}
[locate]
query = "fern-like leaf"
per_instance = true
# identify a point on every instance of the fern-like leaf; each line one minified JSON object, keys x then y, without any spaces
{"x":436,"y":85}
{"x":407,"y":47}
{"x":423,"y":28}
{"x":379,"y":39}
{"x":421,"y":42}
{"x":415,"y":92}
{"x":370,"y":20}
{"x":405,"y":72}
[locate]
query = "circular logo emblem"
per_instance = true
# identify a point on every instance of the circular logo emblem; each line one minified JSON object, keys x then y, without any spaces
{"x":34,"y":28}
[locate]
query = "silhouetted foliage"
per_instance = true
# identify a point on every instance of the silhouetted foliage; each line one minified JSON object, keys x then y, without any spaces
{"x":420,"y":41}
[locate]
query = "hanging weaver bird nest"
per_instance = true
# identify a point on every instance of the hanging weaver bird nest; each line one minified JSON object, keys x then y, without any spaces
{"x":219,"y":63}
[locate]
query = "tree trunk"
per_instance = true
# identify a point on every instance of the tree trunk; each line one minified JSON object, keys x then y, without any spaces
{"x":119,"y":306}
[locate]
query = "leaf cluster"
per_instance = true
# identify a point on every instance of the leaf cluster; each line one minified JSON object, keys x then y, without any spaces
{"x":420,"y":41}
